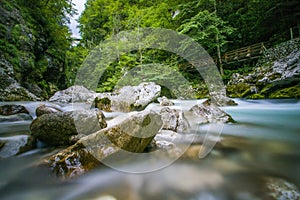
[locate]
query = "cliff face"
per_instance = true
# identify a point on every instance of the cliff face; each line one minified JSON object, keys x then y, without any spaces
{"x":277,"y":75}
{"x":31,"y":63}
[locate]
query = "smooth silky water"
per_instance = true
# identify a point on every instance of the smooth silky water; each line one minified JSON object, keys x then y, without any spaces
{"x":265,"y":142}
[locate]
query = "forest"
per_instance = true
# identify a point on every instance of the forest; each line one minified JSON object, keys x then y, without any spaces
{"x":36,"y":40}
{"x":154,"y":99}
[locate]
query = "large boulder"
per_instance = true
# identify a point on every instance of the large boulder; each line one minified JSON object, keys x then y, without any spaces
{"x":74,"y":94}
{"x":205,"y":113}
{"x":135,"y":98}
{"x":11,"y":146}
{"x":132,"y":133}
{"x":65,"y":128}
{"x":126,"y":99}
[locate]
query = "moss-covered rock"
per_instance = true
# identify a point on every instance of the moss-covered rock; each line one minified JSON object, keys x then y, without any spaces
{"x":290,"y":92}
{"x":238,"y":90}
{"x":276,"y":75}
{"x":256,"y":96}
{"x":65,"y":128}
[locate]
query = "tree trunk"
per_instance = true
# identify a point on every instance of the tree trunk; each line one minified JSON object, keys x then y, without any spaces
{"x":218,"y":44}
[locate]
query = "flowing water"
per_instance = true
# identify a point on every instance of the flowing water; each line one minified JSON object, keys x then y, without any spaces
{"x":264,"y":143}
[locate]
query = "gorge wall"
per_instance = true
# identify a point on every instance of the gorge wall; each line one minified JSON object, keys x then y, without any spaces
{"x":277,"y":75}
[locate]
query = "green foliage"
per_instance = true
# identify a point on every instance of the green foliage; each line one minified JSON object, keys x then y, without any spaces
{"x":258,"y":20}
{"x":75,"y":57}
{"x":35,"y":39}
{"x":204,"y":26}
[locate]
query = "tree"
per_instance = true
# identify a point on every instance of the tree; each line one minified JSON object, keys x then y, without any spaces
{"x":203,"y":27}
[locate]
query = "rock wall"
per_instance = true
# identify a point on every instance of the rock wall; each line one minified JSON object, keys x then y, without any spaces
{"x":277,"y":75}
{"x":31,"y":62}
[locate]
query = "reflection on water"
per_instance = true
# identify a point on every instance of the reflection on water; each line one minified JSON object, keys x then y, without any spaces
{"x":263,"y":143}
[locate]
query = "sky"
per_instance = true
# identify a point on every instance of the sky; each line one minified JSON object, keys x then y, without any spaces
{"x":79,"y":5}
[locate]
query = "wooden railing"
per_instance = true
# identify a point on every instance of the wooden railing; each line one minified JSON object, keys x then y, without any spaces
{"x":245,"y":53}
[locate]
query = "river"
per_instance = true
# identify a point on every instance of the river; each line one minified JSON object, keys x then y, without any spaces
{"x":263,"y":145}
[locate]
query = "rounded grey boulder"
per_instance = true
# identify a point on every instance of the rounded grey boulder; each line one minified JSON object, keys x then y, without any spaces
{"x":65,"y":128}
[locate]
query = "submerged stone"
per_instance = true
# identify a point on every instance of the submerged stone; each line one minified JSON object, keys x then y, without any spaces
{"x":278,"y":188}
{"x":11,"y":146}
{"x":12,"y":109}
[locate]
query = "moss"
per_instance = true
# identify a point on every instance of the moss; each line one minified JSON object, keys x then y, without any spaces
{"x":246,"y":93}
{"x":238,"y":90}
{"x":266,"y":88}
{"x":290,"y":92}
{"x":167,"y":92}
{"x":256,"y":96}
{"x":103,"y":104}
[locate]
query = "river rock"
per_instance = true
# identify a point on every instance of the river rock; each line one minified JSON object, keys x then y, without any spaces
{"x":12,"y":109}
{"x":74,"y":94}
{"x":205,"y":113}
{"x":220,"y":99}
{"x":278,"y":188}
{"x":168,"y":143}
{"x":65,"y":128}
{"x":174,"y":120}
{"x":132,"y":133}
{"x":193,"y":152}
{"x":43,"y":109}
{"x":164,"y":101}
{"x":135,"y":98}
{"x":10,"y":89}
{"x":11,"y":146}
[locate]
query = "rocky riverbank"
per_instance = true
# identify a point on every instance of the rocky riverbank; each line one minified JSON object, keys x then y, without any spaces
{"x":277,"y":75}
{"x":76,"y":152}
{"x":88,"y":137}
